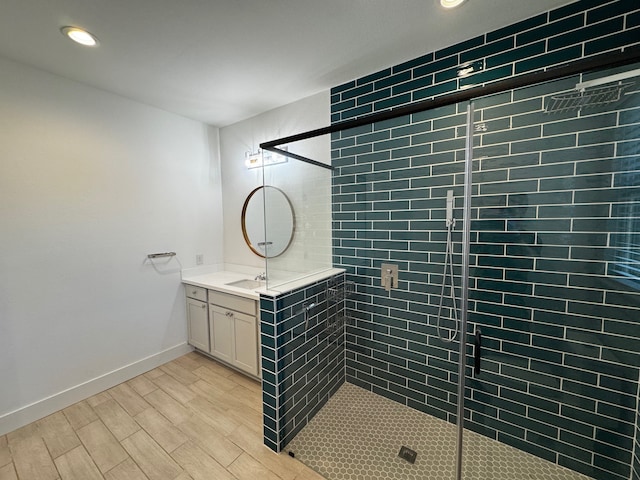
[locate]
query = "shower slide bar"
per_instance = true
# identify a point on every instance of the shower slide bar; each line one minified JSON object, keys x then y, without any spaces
{"x":448,"y":274}
{"x":602,"y":61}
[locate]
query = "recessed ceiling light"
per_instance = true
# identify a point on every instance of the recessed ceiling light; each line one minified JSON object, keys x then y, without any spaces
{"x":451,"y":3}
{"x":80,"y":36}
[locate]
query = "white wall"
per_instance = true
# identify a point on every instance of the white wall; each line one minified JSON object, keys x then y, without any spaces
{"x":90,"y":183}
{"x":237,"y":181}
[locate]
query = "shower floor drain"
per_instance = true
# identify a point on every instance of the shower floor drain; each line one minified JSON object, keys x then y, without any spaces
{"x":408,"y":454}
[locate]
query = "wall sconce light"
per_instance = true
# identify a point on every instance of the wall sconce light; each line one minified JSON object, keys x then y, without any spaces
{"x":253,"y":160}
{"x":264,"y":158}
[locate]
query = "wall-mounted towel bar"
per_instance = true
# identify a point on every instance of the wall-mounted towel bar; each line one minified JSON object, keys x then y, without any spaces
{"x":164,"y":267}
{"x":160,"y":255}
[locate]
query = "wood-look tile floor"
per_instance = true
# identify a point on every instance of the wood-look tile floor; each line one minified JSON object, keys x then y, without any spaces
{"x":191,"y":418}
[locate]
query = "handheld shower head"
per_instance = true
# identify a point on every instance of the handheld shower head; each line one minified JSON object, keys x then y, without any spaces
{"x":450,"y":221}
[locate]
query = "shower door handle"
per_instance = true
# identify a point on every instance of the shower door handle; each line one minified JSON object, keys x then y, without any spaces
{"x":477,"y":351}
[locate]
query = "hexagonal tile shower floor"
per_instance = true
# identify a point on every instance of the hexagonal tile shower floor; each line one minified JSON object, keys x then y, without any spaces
{"x":357,"y":436}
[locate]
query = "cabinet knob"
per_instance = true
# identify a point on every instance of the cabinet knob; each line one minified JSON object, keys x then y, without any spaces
{"x":204,"y":306}
{"x":194,"y":292}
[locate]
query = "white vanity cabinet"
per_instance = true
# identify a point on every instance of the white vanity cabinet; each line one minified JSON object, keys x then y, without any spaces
{"x":233,"y":330}
{"x":222,"y":333}
{"x":197,"y":317}
{"x":224,"y":326}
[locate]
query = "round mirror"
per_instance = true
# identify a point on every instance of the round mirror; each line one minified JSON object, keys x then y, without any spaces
{"x":268,"y":204}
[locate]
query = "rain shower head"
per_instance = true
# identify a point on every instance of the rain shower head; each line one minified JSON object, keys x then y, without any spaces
{"x":601,"y":91}
{"x":591,"y":97}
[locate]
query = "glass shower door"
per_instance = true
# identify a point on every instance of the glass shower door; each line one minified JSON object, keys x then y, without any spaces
{"x":554,"y":297}
{"x":392,"y":182}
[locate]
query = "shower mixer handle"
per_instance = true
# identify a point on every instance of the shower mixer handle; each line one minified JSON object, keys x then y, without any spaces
{"x":477,"y":351}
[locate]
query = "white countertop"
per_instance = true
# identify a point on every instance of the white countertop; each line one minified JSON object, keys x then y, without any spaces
{"x":218,"y":280}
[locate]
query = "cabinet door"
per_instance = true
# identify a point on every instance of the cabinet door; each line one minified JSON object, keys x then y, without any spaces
{"x":246,"y":343}
{"x":221,"y":333}
{"x":198,"y":324}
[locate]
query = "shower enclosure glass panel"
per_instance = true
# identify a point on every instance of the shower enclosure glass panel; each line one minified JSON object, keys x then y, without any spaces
{"x":308,"y":188}
{"x":390,"y":193}
{"x":555,"y":279}
{"x":552,"y":337}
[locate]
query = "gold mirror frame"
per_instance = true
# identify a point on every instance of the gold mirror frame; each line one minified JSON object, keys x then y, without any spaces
{"x":245,"y":233}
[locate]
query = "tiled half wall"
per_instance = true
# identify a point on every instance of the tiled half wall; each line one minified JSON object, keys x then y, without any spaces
{"x":555,"y":196}
{"x":302,"y":346}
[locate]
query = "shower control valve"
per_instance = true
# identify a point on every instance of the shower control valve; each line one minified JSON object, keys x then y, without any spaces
{"x":389,"y":276}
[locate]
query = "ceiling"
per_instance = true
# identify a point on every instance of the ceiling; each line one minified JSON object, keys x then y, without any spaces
{"x":222,"y":61}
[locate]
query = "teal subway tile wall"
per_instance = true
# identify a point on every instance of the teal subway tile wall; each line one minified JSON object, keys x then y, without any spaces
{"x":554,"y":234}
{"x":302,"y":342}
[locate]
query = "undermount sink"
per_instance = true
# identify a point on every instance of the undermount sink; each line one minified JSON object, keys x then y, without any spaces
{"x":246,"y":283}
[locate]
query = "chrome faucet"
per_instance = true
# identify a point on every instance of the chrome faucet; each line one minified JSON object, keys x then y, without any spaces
{"x":261,"y":276}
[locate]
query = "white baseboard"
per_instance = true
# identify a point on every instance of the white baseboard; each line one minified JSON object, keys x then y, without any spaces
{"x":37,"y":410}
